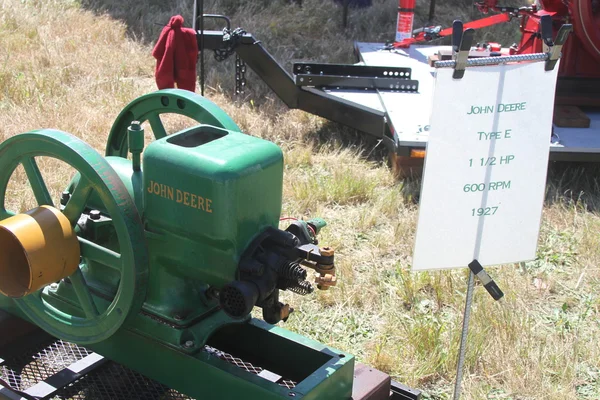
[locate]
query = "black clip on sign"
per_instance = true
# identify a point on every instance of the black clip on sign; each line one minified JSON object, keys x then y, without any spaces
{"x":461,"y":46}
{"x":486,"y":280}
{"x":556,"y":48}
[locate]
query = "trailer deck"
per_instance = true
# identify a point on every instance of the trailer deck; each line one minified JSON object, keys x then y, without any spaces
{"x":408,"y":113}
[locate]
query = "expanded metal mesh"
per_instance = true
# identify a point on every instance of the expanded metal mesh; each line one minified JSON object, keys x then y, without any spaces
{"x":116,"y":382}
{"x":37,"y":364}
{"x":238,"y":362}
{"x":109,"y":381}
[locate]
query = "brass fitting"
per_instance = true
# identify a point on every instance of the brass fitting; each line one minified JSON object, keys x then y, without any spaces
{"x":285,"y":312}
{"x":326,"y":251}
{"x":325,"y":276}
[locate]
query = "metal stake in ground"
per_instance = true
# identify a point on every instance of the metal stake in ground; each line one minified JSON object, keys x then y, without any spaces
{"x":475,"y":270}
{"x":463,"y":338}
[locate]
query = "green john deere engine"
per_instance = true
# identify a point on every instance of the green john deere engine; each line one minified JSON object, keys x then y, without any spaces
{"x":155,"y":255}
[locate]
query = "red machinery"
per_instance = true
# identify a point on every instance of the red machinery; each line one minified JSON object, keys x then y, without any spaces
{"x":581,"y":54}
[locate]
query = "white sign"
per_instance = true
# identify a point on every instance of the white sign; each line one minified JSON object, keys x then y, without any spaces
{"x":485,"y":168}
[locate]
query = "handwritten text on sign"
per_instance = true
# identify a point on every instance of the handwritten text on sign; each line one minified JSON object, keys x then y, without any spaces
{"x":485,"y":171}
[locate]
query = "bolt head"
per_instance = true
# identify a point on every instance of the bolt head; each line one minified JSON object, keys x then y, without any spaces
{"x":135,"y":126}
{"x":326,"y":251}
{"x":189,"y":344}
{"x":54,"y":286}
{"x":95,"y":215}
{"x":64,"y":198}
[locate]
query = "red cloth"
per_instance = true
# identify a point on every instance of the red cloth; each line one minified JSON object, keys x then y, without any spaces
{"x":176,"y":53}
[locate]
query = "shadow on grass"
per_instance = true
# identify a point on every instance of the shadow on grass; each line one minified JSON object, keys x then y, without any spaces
{"x":333,"y":134}
{"x":574,"y":185}
{"x":145,"y":18}
{"x":369,"y":148}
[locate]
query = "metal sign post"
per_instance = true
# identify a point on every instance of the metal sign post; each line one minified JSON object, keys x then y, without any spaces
{"x":475,"y":269}
{"x":198,"y":25}
{"x":463,"y":337}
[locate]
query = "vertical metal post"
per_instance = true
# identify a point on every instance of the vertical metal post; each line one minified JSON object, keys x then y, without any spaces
{"x":463,"y":338}
{"x":195,"y":16}
{"x":345,"y":13}
{"x":201,"y":16}
{"x":431,"y":10}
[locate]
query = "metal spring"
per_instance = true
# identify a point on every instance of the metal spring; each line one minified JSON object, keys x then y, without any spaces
{"x":292,"y":271}
{"x":301,"y":288}
{"x":480,"y":61}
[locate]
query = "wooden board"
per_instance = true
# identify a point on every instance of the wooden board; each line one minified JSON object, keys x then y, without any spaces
{"x":370,"y":384}
{"x":570,"y":117}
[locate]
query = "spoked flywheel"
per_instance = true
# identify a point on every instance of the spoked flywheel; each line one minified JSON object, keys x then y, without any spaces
{"x":168,"y":101}
{"x":93,"y":320}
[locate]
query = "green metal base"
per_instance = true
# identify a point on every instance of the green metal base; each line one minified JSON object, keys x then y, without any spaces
{"x":321,"y":372}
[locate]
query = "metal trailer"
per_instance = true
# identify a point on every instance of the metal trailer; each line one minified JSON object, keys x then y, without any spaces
{"x":36,"y":365}
{"x":387,"y":95}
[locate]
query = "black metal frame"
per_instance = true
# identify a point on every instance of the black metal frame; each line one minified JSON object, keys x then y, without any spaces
{"x":343,"y":76}
{"x":403,"y":392}
{"x":372,"y":122}
{"x":365,"y":71}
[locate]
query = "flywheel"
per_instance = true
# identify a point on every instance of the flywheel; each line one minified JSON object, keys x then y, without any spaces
{"x":87,"y":318}
{"x":168,"y":101}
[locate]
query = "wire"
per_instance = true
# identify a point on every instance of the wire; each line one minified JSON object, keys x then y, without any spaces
{"x":312,"y":230}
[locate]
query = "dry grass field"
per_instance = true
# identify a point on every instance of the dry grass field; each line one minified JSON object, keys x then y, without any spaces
{"x":73,"y":65}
